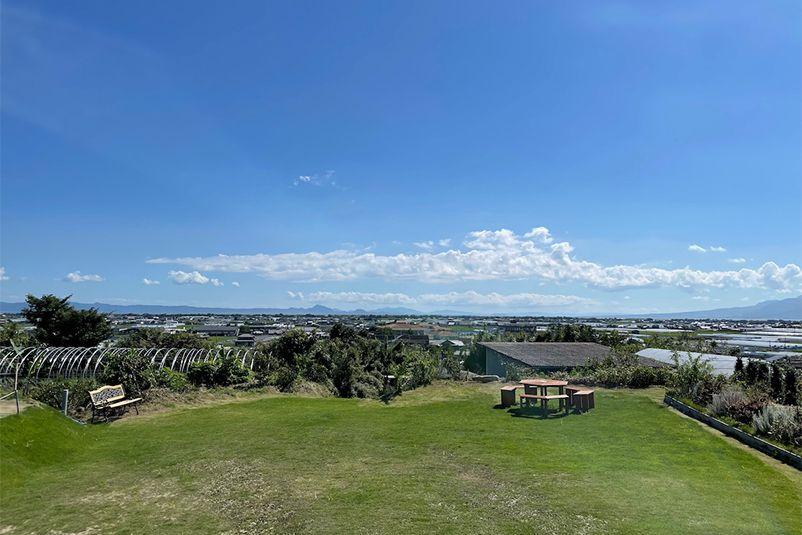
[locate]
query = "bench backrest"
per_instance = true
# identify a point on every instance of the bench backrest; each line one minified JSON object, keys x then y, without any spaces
{"x":106,"y":394}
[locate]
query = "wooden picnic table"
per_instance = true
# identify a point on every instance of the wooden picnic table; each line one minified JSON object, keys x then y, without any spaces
{"x":543,"y":385}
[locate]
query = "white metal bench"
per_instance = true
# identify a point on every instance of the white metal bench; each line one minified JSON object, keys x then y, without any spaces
{"x":108,"y":399}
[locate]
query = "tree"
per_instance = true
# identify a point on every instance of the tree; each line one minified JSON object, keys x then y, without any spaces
{"x":776,"y":383}
{"x":751,"y":372}
{"x":791,"y":392}
{"x":739,"y":367}
{"x":155,"y":338}
{"x":57,"y":323}
{"x":12,"y":332}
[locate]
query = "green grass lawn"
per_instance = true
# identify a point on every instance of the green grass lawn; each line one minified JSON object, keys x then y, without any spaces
{"x":440,"y":459}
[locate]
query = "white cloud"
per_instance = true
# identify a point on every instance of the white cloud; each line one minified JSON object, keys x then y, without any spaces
{"x":737,"y":260}
{"x":3,"y":276}
{"x":77,"y":276}
{"x":150,"y":282}
{"x":445,"y":242}
{"x":540,"y":234}
{"x":235,"y":284}
{"x":712,"y":249}
{"x":489,"y":255}
{"x":318,"y":180}
{"x":425,"y":245}
{"x":193,"y":277}
{"x":469,"y":298}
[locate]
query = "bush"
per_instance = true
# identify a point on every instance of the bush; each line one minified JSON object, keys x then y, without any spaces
{"x":776,"y":383}
{"x":202,"y":373}
{"x":694,"y":379}
{"x":172,"y":380}
{"x":283,"y":378}
{"x":731,"y":400}
{"x":230,"y":372}
{"x":50,"y":392}
{"x":780,"y":422}
{"x":623,"y":376}
{"x":791,"y":387}
{"x":420,"y":368}
{"x":130,"y":369}
{"x":513,"y":373}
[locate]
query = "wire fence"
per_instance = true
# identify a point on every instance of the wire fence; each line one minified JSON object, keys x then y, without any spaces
{"x":72,"y":362}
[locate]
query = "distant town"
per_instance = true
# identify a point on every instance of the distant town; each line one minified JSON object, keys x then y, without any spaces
{"x":764,"y":339}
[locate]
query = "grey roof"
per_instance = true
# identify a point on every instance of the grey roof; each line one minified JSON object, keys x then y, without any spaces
{"x":550,"y":354}
{"x":722,"y":364}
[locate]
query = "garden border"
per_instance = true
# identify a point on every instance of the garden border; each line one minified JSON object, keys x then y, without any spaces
{"x":750,"y":440}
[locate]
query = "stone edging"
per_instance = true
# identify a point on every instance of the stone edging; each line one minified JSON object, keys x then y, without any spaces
{"x":750,"y":440}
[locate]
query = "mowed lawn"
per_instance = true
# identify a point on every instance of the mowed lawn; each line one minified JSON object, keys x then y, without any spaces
{"x":441,"y":459}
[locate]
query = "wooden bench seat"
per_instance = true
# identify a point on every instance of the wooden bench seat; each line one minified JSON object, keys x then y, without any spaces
{"x":583,"y":400}
{"x":508,"y":395}
{"x":110,"y":399}
{"x":544,"y":400}
{"x":123,"y":403}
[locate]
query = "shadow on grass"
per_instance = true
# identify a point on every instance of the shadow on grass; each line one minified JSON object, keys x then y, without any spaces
{"x":536,"y":412}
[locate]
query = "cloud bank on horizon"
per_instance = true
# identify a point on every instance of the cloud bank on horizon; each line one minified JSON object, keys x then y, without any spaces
{"x":487,"y":255}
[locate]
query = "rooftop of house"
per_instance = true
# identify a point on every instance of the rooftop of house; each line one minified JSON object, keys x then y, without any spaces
{"x":550,"y":354}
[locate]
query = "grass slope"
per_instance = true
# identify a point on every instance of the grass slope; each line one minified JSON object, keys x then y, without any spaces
{"x":440,"y":459}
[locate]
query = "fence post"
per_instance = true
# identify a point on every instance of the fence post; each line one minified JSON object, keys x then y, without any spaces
{"x":65,"y":396}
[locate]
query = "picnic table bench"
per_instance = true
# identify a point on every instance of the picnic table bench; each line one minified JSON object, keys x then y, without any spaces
{"x":584,"y":399}
{"x":508,"y":395}
{"x":544,"y":399}
{"x":111,"y":399}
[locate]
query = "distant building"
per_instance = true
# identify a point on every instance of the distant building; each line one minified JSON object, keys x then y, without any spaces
{"x":217,"y":330}
{"x":413,"y":339}
{"x":245,"y":340}
{"x":455,"y":344}
{"x":544,"y":356}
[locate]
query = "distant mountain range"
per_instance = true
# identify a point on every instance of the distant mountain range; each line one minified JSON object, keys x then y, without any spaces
{"x":317,"y":310}
{"x":784,"y":309}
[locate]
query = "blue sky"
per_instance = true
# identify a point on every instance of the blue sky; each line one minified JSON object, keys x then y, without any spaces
{"x":375,"y":154}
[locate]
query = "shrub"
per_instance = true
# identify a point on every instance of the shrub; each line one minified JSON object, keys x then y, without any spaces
{"x":202,"y":373}
{"x":282,"y":378}
{"x":131,"y":369}
{"x":791,"y":387}
{"x":450,"y":363}
{"x":513,"y":373}
{"x":781,"y":422}
{"x":50,"y":392}
{"x":694,"y":379}
{"x":420,"y":368}
{"x":172,"y":380}
{"x":776,"y":383}
{"x":739,"y":367}
{"x":728,"y":402}
{"x":230,"y":372}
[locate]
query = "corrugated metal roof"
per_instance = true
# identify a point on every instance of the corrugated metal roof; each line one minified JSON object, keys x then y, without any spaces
{"x":550,"y":354}
{"x":722,"y":364}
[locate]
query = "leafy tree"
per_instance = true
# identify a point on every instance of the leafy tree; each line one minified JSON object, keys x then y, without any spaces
{"x":791,"y":387}
{"x":149,"y":338}
{"x":751,"y":372}
{"x":776,"y":383}
{"x":12,"y":332}
{"x":57,"y":323}
{"x":340,"y":331}
{"x":131,"y":369}
{"x":739,"y":367}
